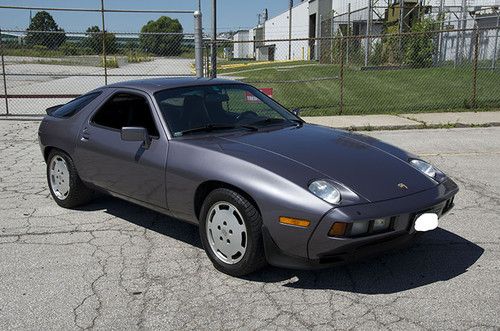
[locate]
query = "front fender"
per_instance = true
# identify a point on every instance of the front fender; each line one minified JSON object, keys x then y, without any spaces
{"x":190,"y":165}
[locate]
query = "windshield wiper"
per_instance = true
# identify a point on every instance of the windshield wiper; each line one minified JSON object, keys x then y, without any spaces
{"x":213,"y":127}
{"x":275,"y":121}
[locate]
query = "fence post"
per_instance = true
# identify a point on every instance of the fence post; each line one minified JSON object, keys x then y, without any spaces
{"x":105,"y":62}
{"x":3,"y":75}
{"x":474,"y":70}
{"x":198,"y":44}
{"x":341,"y":76}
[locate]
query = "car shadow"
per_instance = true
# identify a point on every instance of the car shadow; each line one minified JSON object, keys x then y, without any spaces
{"x":436,"y":256}
{"x":146,"y":218}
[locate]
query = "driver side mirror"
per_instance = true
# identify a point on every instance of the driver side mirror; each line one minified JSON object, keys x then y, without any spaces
{"x":134,"y":133}
{"x":296,"y":111}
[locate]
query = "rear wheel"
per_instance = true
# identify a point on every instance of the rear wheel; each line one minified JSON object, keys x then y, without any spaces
{"x":230,"y":230}
{"x":65,"y":185}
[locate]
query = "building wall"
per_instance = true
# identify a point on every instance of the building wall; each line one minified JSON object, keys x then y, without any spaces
{"x":242,"y":50}
{"x":277,"y":28}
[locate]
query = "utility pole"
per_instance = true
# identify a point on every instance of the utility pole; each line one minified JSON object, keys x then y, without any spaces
{"x":198,"y":44}
{"x":290,"y":30}
{"x":213,"y":47}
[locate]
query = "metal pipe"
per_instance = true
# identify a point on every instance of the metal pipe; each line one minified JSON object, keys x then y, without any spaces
{"x":105,"y":62}
{"x":98,"y":10}
{"x":341,"y":77}
{"x":440,"y":35}
{"x":401,"y":15}
{"x":474,"y":72}
{"x":290,"y":30}
{"x":401,"y":27}
{"x":495,"y":48}
{"x":461,"y":36}
{"x":198,"y":44}
{"x":89,"y":33}
{"x":214,"y":39}
{"x":4,"y":76}
{"x":368,"y":32}
{"x":348,"y":32}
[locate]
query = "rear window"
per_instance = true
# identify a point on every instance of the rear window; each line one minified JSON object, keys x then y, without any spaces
{"x":75,"y":105}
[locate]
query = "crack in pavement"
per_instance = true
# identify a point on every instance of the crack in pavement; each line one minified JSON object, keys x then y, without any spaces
{"x":116,"y":265}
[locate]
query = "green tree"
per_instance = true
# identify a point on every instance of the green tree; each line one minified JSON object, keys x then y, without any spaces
{"x":420,"y":46}
{"x":167,"y":41}
{"x":94,"y":40}
{"x":43,"y":21}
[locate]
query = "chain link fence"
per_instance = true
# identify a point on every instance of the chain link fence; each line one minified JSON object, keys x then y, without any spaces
{"x":392,"y":73}
{"x":49,"y":66}
{"x":41,"y":68}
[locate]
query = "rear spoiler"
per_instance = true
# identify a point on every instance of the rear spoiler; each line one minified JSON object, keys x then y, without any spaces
{"x":52,"y":109}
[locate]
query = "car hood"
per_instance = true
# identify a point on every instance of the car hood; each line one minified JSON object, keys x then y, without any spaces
{"x":367,"y":166}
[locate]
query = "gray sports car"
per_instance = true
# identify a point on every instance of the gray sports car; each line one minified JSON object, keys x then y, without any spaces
{"x":263,"y":186}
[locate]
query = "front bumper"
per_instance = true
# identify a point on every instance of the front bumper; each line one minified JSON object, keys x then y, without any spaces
{"x":325,"y":251}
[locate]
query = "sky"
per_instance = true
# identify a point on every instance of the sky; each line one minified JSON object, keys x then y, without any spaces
{"x":231,"y":14}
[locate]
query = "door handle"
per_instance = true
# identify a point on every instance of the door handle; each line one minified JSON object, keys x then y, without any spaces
{"x":85,"y":135}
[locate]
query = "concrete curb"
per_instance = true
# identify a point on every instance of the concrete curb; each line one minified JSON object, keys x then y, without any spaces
{"x":377,"y":122}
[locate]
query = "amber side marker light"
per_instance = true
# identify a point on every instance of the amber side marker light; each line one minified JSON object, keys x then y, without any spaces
{"x":338,"y":229}
{"x":294,"y":221}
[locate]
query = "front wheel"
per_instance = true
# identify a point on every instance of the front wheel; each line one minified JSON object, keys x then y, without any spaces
{"x":230,"y":230}
{"x":65,"y":185}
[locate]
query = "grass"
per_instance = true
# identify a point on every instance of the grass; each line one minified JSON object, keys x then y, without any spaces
{"x":34,"y":52}
{"x":138,"y":57}
{"x":315,"y":88}
{"x":111,"y":62}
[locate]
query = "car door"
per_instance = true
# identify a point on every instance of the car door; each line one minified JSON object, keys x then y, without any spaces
{"x":124,"y":167}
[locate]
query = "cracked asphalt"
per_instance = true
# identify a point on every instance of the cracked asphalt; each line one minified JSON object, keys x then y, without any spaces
{"x":113,"y":265}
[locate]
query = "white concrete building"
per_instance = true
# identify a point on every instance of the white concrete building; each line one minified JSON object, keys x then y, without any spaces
{"x":278,"y":28}
{"x":242,"y":49}
{"x":306,"y":23}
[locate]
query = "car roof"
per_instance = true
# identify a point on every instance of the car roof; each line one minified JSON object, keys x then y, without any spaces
{"x":157,"y":84}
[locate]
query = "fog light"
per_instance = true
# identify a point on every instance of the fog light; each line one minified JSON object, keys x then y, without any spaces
{"x":337,"y":229}
{"x":380,"y":224}
{"x":359,"y":228}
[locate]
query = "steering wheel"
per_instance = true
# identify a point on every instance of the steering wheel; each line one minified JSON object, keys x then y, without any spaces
{"x":247,"y":115}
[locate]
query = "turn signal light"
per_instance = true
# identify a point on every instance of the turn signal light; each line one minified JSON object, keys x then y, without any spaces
{"x":338,"y":229}
{"x":294,"y":221}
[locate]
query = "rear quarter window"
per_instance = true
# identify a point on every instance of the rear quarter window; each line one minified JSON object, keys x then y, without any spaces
{"x":75,"y":105}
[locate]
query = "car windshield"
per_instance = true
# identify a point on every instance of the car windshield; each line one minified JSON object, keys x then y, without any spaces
{"x":209,"y":108}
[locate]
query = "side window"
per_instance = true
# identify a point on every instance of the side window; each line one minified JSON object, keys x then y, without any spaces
{"x":125,"y":109}
{"x":75,"y":105}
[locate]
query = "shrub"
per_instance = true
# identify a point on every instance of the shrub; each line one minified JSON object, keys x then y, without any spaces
{"x":111,"y":62}
{"x":420,"y":47}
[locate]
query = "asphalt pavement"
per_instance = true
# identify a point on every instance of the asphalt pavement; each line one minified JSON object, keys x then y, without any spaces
{"x":113,"y":265}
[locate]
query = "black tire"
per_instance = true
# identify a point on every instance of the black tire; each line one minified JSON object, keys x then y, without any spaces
{"x":79,"y":193}
{"x":254,"y":257}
